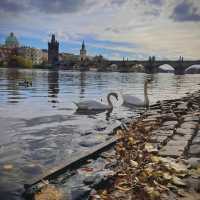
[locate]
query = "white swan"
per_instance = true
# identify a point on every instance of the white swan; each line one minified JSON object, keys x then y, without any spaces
{"x":91,"y":105}
{"x":133,"y":101}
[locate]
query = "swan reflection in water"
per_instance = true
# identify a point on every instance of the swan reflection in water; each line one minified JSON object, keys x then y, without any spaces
{"x":95,"y":107}
{"x":133,"y":101}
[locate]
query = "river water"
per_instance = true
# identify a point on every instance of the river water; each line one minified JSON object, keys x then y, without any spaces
{"x":39,"y":125}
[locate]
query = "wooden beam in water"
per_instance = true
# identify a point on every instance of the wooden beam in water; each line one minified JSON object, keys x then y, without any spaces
{"x":74,"y":163}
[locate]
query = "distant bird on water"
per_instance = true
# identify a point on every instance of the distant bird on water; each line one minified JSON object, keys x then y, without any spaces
{"x":91,"y":105}
{"x":133,"y":101}
{"x":25,"y":83}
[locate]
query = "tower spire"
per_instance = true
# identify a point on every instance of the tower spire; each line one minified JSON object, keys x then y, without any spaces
{"x":83,"y":45}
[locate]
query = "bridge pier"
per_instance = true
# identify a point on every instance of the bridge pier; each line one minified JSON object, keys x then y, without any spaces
{"x":150,"y":69}
{"x":180,"y":69}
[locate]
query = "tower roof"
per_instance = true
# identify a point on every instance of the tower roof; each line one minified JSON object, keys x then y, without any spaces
{"x":83,"y":45}
{"x":53,"y":38}
{"x":11,"y":40}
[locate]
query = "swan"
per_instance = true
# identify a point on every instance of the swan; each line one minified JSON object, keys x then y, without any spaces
{"x":91,"y":105}
{"x":133,"y":101}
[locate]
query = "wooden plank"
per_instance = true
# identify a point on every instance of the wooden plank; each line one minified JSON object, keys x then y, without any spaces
{"x":75,"y":162}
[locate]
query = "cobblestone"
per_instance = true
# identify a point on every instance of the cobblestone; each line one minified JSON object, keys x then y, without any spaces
{"x":189,"y":125}
{"x":171,"y":151}
{"x":184,"y":131}
{"x":194,"y":150}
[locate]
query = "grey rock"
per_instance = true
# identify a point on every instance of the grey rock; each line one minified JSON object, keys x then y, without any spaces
{"x":196,"y":140}
{"x":90,"y":142}
{"x":170,"y":123}
{"x":191,"y":118}
{"x":189,"y":125}
{"x":179,"y":143}
{"x":194,"y":162}
{"x":177,"y":138}
{"x":194,"y":149}
{"x":183,"y":106}
{"x":185,"y":131}
{"x":90,"y":179}
{"x":158,"y":139}
{"x":80,"y":193}
{"x":171,"y":151}
{"x":169,"y":127}
{"x":98,"y":177}
{"x":162,"y":132}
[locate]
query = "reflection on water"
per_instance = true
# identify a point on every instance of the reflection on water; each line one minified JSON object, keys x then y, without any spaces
{"x":39,"y":126}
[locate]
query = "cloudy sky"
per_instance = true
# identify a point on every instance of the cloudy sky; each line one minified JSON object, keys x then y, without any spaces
{"x":114,"y":28}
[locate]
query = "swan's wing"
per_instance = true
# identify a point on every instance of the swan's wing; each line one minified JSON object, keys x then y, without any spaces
{"x":91,"y":105}
{"x":132,"y":100}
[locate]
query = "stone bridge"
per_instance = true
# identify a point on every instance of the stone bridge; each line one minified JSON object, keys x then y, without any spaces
{"x":152,"y":65}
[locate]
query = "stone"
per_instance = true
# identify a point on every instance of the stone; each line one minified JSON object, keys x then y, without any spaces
{"x":171,"y":151}
{"x":194,"y":149}
{"x":170,"y":123}
{"x":169,"y":127}
{"x":158,"y":139}
{"x":179,"y":143}
{"x":184,"y":131}
{"x":196,"y":140}
{"x":161,"y":132}
{"x":98,"y":177}
{"x":80,"y":193}
{"x":189,"y":125}
{"x":90,"y":142}
{"x":191,"y":118}
{"x":183,"y":106}
{"x":89,"y":179}
{"x":194,"y":162}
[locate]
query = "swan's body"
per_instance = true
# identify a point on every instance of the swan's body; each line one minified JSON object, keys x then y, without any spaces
{"x":92,"y":105}
{"x":129,"y":100}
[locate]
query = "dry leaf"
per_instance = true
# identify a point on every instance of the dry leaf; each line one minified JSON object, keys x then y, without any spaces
{"x":177,"y":181}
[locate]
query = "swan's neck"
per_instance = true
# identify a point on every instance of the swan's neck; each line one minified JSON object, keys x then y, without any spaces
{"x":146,"y":99}
{"x":109,"y":101}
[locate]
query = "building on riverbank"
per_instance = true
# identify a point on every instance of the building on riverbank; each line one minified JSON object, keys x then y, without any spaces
{"x":11,"y":41}
{"x":6,"y":53}
{"x":30,"y":53}
{"x":9,"y":48}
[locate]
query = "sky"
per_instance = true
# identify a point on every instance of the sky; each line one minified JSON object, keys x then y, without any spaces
{"x":134,"y":29}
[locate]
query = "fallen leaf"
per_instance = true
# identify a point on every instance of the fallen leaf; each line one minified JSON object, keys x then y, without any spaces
{"x":177,"y":181}
{"x":134,"y":163}
{"x":150,"y":149}
{"x":152,"y":193}
{"x":8,"y":167}
{"x":167,"y":176}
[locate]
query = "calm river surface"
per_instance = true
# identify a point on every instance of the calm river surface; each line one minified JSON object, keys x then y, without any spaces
{"x":39,"y":126}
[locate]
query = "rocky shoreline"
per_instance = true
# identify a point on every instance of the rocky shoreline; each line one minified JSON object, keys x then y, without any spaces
{"x":157,"y":156}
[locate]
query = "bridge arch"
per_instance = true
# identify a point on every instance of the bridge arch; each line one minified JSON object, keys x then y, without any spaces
{"x":193,"y":69}
{"x":166,"y":68}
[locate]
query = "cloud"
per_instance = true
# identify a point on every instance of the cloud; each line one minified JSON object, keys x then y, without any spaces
{"x":155,"y":2}
{"x":54,"y":6}
{"x":58,"y":6}
{"x":136,"y":28}
{"x":12,"y":6}
{"x":186,"y":11}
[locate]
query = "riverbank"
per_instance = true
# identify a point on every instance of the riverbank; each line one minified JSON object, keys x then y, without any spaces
{"x":156,"y":157}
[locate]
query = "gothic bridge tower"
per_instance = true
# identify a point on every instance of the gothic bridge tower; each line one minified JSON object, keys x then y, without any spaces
{"x":53,"y":51}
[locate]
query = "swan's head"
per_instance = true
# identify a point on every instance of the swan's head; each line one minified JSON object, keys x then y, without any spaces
{"x":114,"y":95}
